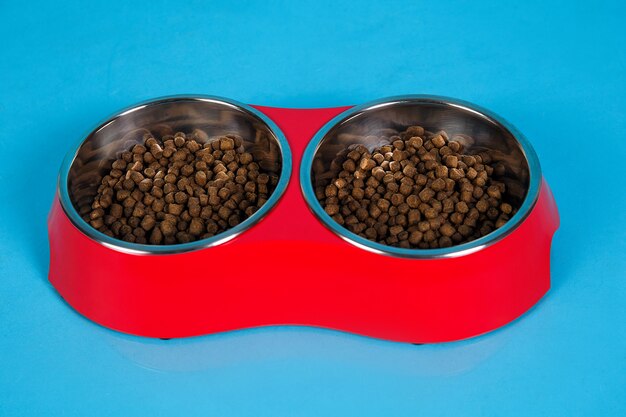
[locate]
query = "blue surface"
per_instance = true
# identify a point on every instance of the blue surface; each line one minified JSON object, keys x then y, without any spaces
{"x":555,"y":70}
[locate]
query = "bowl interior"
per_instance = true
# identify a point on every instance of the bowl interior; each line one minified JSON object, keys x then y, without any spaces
{"x":372,"y":126}
{"x":213,"y":117}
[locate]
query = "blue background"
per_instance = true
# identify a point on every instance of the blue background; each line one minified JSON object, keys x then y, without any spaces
{"x":554,"y":69}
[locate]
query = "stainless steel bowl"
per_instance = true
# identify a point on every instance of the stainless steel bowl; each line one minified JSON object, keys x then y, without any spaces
{"x":482,"y":131}
{"x":87,"y":163}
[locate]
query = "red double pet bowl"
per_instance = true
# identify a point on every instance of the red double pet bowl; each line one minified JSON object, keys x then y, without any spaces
{"x":290,"y":263}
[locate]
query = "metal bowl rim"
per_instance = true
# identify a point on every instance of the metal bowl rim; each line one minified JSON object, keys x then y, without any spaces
{"x":146,"y":249}
{"x":528,"y":204}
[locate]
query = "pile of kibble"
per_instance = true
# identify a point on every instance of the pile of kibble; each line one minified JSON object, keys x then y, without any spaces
{"x":177,"y":189}
{"x":420,"y":191}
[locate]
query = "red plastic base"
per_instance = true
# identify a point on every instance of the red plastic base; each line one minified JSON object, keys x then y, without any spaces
{"x":290,"y":269}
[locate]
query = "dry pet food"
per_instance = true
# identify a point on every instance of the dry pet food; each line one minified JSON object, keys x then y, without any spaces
{"x":179,"y":189}
{"x":419,"y":191}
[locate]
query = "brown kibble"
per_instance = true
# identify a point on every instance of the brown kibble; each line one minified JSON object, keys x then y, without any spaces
{"x":447,"y":229}
{"x":426,"y":194}
{"x":331,"y":209}
{"x":413,"y":217}
{"x":438,"y":185}
{"x":156,"y":236}
{"x":135,"y":176}
{"x":224,"y":212}
{"x":445,"y":241}
{"x":415,"y":237}
{"x":116,"y":210}
{"x":168,"y":152}
{"x":139,"y":211}
{"x":367,"y":164}
{"x":375,"y":211}
{"x":147,"y":223}
{"x":370,"y":233}
{"x":179,"y":155}
{"x":383,"y":204}
{"x":196,"y":227}
{"x":378,"y":157}
{"x":97,"y":223}
{"x":187,"y":170}
{"x":139,"y":149}
{"x":128,"y":184}
{"x":429,"y":236}
{"x":454,"y":146}
{"x":129,"y":202}
{"x":409,"y":170}
{"x":419,"y":181}
{"x":183,"y":237}
{"x":398,"y":155}
{"x":418,"y":191}
{"x":118,"y":164}
{"x":331,"y":190}
{"x":145,"y":185}
{"x":456,"y":174}
{"x":175,"y":209}
{"x":168,"y":228}
{"x":395,"y":230}
{"x":96,"y":214}
{"x":349,"y":165}
{"x":179,"y":140}
{"x":494,"y":192}
{"x":397,"y":199}
{"x":492,"y":213}
{"x":482,"y":206}
{"x":405,"y":188}
{"x":438,"y":141}
{"x":226,"y":144}
{"x":416,"y":142}
{"x":246,"y":158}
{"x":415,"y":131}
{"x":358,"y":193}
{"x":413,"y":201}
{"x":129,"y":237}
{"x":153,"y":185}
{"x":441,"y":171}
{"x":194,"y":210}
{"x":181,"y":197}
{"x":200,"y":178}
{"x":378,"y":173}
{"x":451,"y":161}
{"x":430,"y":213}
{"x":263,"y":179}
{"x":462,"y":207}
{"x":158,"y":205}
{"x":137,"y":166}
{"x":501,"y":222}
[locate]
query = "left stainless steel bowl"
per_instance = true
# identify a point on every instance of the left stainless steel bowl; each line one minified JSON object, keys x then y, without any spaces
{"x":87,"y":163}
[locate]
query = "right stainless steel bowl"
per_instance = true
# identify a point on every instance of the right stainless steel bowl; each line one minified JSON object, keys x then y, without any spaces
{"x":479,"y":129}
